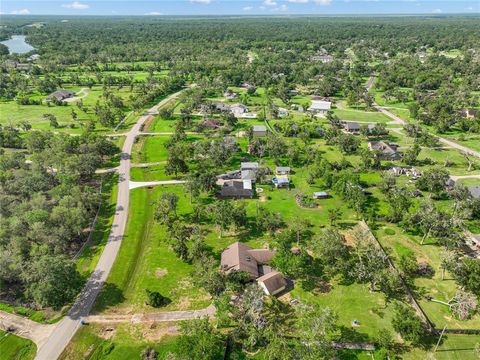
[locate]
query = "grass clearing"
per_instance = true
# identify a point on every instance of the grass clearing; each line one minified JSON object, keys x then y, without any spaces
{"x":16,"y":348}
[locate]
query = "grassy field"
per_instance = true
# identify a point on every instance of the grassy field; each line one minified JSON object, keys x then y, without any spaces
{"x":125,"y":342}
{"x":11,"y":113}
{"x":146,"y":262}
{"x":13,"y":347}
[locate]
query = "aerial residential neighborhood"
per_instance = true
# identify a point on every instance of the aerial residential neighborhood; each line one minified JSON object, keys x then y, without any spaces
{"x":264,"y":180}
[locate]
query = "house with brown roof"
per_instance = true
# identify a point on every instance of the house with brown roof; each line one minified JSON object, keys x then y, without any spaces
{"x":272,"y":283}
{"x":386,"y":150}
{"x":241,"y":257}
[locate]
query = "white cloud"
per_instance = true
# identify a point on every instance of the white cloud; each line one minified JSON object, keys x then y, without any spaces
{"x":76,"y":6}
{"x":469,"y":8}
{"x":437,"y":11}
{"x":20,"y":12}
{"x":270,"y":2}
{"x":153,"y":13}
{"x":205,"y":2}
{"x":322,"y":2}
{"x":281,"y":8}
{"x":262,"y":7}
{"x":247,"y":8}
{"x":298,"y":1}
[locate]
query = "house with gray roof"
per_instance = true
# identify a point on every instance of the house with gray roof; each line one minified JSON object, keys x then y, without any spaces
{"x":60,"y":95}
{"x":386,"y":150}
{"x":259,"y":131}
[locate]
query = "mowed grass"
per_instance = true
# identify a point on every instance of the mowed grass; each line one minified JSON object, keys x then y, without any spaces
{"x":361,"y":116}
{"x":13,"y":347}
{"x":12,"y":113}
{"x":126,"y":343}
{"x":145,"y":261}
{"x":452,"y":347}
{"x":353,"y":302}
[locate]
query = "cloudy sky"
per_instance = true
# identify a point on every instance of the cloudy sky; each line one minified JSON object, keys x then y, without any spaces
{"x":236,"y":7}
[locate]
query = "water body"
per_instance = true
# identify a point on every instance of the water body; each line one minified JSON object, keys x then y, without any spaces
{"x":17,"y":45}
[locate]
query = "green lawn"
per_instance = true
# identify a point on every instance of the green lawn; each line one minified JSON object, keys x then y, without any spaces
{"x":126,"y":343}
{"x":353,"y":302}
{"x":361,"y":116}
{"x":146,"y":262}
{"x":12,"y":113}
{"x":13,"y":347}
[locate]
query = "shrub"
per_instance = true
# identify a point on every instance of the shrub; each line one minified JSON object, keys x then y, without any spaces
{"x":156,"y":299}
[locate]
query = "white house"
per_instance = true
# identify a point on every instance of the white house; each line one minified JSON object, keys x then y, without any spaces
{"x":320,"y":107}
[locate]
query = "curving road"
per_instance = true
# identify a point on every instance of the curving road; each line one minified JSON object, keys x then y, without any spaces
{"x":398,"y":120}
{"x":66,"y":328}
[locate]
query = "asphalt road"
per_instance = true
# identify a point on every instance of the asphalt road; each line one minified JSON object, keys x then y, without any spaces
{"x":67,"y":327}
{"x":398,"y":120}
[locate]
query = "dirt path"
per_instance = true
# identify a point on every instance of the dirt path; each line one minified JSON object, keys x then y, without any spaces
{"x":82,"y":91}
{"x":459,"y":177}
{"x":153,"y":317}
{"x":25,"y":328}
{"x":137,"y":184}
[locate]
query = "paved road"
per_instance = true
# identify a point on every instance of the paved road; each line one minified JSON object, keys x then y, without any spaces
{"x":66,"y":328}
{"x":398,"y":120}
{"x":25,"y":328}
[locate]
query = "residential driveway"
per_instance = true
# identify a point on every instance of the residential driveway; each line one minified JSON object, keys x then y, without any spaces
{"x":25,"y":328}
{"x":459,"y":177}
{"x":398,"y":120}
{"x":67,"y":327}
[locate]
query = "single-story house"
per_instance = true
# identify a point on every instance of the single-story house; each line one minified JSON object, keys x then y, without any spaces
{"x":320,"y":107}
{"x":281,"y":182}
{"x":259,"y":131}
{"x":282,"y":170}
{"x":249,"y":166}
{"x":272,"y":283}
{"x":211,"y":124}
{"x":386,"y":150}
{"x":236,"y":189}
{"x":60,"y":95}
{"x":219,"y":106}
{"x":230,"y":95}
{"x":321,"y":195}
{"x":282,"y":112}
{"x":240,"y":257}
{"x":351,"y":127}
{"x":238,"y":109}
{"x":474,"y":191}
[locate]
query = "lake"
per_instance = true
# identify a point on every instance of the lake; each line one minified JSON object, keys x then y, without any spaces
{"x":18,"y":45}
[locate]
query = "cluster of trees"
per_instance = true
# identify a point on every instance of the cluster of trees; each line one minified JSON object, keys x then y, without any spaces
{"x":46,"y":205}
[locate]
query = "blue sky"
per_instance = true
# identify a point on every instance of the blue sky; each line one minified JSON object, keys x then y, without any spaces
{"x":236,"y":7}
